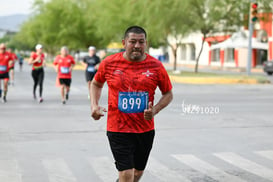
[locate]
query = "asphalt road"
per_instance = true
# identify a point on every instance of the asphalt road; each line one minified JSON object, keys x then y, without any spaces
{"x":208,"y":133}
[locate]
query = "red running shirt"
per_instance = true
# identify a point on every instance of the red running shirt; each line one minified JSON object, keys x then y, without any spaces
{"x":5,"y":58}
{"x":131,"y":85}
{"x":64,"y":66}
{"x":38,"y":64}
{"x":14,"y":57}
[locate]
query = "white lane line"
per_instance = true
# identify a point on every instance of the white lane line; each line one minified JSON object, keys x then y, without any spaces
{"x":163,"y":173}
{"x":58,"y":170}
{"x":267,"y":154}
{"x":104,"y":167}
{"x":206,"y":168}
{"x":9,"y":171}
{"x":246,"y":165}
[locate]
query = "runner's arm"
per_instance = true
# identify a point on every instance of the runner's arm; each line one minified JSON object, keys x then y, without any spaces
{"x":95,"y":93}
{"x":84,"y":64}
{"x":165,"y":99}
{"x":72,"y":66}
{"x":31,"y":61}
{"x":55,"y":67}
{"x":10,"y":62}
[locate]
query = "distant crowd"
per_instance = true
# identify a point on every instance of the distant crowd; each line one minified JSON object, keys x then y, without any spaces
{"x":63,"y":65}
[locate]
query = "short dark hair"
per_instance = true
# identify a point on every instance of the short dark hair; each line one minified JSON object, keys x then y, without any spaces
{"x":135,"y":29}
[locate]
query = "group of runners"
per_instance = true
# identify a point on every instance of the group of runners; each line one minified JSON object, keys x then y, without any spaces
{"x":132,"y":77}
{"x":63,"y":64}
{"x":7,"y":62}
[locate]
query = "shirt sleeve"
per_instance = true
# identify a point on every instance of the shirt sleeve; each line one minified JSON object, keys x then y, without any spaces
{"x":98,"y":60}
{"x":55,"y":60}
{"x":100,"y":75}
{"x":33,"y":55}
{"x":84,"y":59}
{"x":164,"y":82}
{"x":72,"y":60}
{"x":14,"y":57}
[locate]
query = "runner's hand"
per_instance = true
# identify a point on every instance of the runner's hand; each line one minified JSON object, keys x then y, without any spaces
{"x":98,"y":112}
{"x":149,"y":113}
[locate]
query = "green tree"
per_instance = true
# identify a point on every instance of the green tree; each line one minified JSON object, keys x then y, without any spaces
{"x":161,"y":19}
{"x":55,"y":25}
{"x":168,"y":23}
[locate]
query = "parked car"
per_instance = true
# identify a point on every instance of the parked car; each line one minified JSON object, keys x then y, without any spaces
{"x":268,"y":67}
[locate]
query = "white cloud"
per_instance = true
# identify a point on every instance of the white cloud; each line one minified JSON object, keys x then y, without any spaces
{"x":9,"y":7}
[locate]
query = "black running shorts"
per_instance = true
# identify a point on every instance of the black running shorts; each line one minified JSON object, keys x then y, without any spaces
{"x":131,"y":150}
{"x":65,"y":81}
{"x":89,"y":76}
{"x":4,"y":75}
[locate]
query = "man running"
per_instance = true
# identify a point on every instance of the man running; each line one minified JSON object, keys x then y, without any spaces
{"x":5,"y":63}
{"x":63,"y":65}
{"x":132,"y":78}
{"x":91,"y":63}
{"x":11,"y":68}
{"x":37,"y":60}
{"x":21,"y":60}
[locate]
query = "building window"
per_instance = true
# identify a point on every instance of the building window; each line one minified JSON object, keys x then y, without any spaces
{"x":192,"y":52}
{"x":183,"y":52}
{"x":229,"y":55}
{"x":215,"y":55}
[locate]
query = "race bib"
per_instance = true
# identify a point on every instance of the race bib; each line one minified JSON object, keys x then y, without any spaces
{"x":132,"y":102}
{"x":90,"y":69}
{"x":3,"y":68}
{"x":64,"y":70}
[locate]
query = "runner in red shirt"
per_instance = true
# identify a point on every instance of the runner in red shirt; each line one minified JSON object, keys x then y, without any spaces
{"x":11,"y":68}
{"x":37,"y":60}
{"x":63,"y":66}
{"x":132,"y":78}
{"x":5,"y":62}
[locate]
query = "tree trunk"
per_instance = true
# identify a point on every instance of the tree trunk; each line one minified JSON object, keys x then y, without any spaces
{"x":175,"y":58}
{"x":199,"y":54}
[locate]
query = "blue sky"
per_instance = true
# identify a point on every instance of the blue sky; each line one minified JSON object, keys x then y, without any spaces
{"x":9,"y":7}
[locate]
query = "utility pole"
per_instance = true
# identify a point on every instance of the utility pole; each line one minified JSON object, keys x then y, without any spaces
{"x":252,"y":19}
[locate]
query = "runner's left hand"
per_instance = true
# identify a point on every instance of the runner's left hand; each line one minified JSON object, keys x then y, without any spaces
{"x":149,"y":113}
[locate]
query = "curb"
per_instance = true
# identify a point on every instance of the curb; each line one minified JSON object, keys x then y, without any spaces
{"x":212,"y":80}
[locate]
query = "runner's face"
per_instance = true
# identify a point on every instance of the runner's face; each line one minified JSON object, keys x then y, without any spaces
{"x":91,"y":52}
{"x":40,"y":51}
{"x":135,"y":45}
{"x":64,"y":52}
{"x":2,"y":48}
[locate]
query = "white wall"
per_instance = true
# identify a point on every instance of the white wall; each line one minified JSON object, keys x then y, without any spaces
{"x":196,"y":40}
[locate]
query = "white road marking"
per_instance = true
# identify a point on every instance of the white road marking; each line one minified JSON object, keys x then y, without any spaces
{"x":163,"y":173}
{"x":267,"y":154}
{"x":9,"y":171}
{"x":206,"y":168}
{"x":58,"y":171}
{"x":246,"y":165}
{"x":104,"y":167}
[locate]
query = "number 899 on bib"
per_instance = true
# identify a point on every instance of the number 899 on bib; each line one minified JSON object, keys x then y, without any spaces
{"x":132,"y":102}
